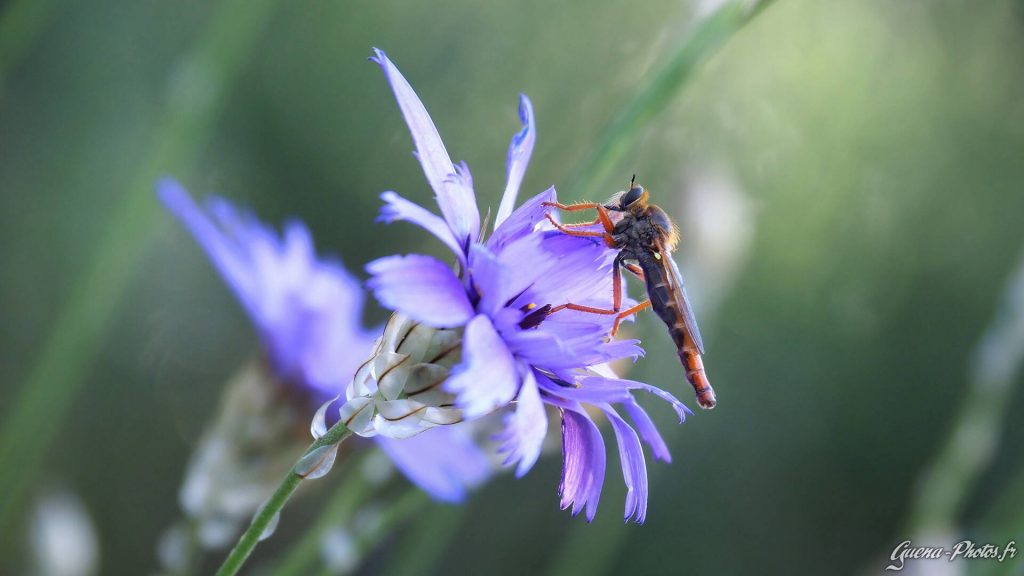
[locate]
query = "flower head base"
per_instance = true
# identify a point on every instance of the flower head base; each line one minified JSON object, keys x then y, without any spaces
{"x":398,"y":392}
{"x":516,"y":355}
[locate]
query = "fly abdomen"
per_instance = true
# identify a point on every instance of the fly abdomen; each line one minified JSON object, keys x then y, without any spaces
{"x":697,"y":378}
{"x":666,"y":306}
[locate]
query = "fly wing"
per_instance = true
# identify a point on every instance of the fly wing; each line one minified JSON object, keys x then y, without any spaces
{"x":678,"y":291}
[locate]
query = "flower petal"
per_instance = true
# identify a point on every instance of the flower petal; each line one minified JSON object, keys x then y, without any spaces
{"x":597,"y":382}
{"x":569,"y":390}
{"x":456,"y":200}
{"x":398,"y":208}
{"x":490,"y":279}
{"x":305,"y":309}
{"x":647,"y":430}
{"x":442,"y":461}
{"x":225,"y":256}
{"x":584,"y":273}
{"x":523,"y":220}
{"x":488,"y":376}
{"x":565,"y":345}
{"x":634,"y":468}
{"x":519,"y":151}
{"x":583,"y":462}
{"x":420,"y":287}
{"x":525,"y":428}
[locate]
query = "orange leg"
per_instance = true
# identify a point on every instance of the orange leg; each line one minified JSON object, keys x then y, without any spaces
{"x":582,"y":224}
{"x":607,"y":237}
{"x":635,"y":270}
{"x":618,"y":315}
{"x":616,"y":296}
{"x":626,"y":313}
{"x":602,"y":212}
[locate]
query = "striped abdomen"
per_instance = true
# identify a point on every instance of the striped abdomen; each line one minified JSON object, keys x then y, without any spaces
{"x":697,"y":378}
{"x":667,"y":300}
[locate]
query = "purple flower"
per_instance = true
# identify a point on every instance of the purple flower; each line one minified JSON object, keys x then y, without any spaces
{"x":307,"y":312}
{"x":516,"y":354}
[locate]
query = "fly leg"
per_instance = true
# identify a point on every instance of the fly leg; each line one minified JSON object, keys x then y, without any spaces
{"x":583,"y":233}
{"x":616,"y":309}
{"x":618,"y":315}
{"x":627,"y":313}
{"x":635,"y":270}
{"x":602,"y":213}
{"x":602,"y":218}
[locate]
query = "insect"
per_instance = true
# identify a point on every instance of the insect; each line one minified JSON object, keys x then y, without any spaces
{"x":645,"y":238}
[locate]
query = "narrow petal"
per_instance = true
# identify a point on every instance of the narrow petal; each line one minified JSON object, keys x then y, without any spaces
{"x":462,"y":202}
{"x":598,"y":391}
{"x":490,"y":279}
{"x":442,"y":461}
{"x":583,"y":462}
{"x":222,"y":252}
{"x":648,"y":431}
{"x":488,"y":376}
{"x":571,"y":344}
{"x":420,"y":287}
{"x":584,"y":273}
{"x":457,"y":202}
{"x":634,"y":468}
{"x":398,"y":208}
{"x":525,"y":427}
{"x":596,"y":382}
{"x":523,"y":220}
{"x":524,"y":263}
{"x":519,"y":151}
{"x":586,"y":394}
{"x":305,"y":309}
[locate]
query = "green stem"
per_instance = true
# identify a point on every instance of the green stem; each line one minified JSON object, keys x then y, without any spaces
{"x":621,"y":135}
{"x":337,"y":511}
{"x":32,"y":418}
{"x":240,"y":553}
{"x":950,"y":479}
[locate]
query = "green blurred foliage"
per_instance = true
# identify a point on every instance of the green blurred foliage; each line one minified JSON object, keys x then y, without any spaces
{"x":878,"y":145}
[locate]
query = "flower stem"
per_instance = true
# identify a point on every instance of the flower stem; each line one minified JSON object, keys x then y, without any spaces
{"x":696,"y":48}
{"x":338,"y":511}
{"x":240,"y":553}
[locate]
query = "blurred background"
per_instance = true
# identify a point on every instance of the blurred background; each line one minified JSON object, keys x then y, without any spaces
{"x":846,"y":176}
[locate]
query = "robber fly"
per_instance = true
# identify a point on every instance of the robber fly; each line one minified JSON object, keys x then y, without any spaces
{"x":645,"y":239}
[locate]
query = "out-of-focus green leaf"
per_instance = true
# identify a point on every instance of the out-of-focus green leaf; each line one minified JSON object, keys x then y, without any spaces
{"x":196,"y":95}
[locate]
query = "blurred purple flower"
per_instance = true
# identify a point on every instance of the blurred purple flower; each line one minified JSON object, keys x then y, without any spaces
{"x":307,"y":312}
{"x":515,"y":353}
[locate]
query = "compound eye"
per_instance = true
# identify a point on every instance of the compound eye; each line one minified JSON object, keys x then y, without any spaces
{"x":632,"y":196}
